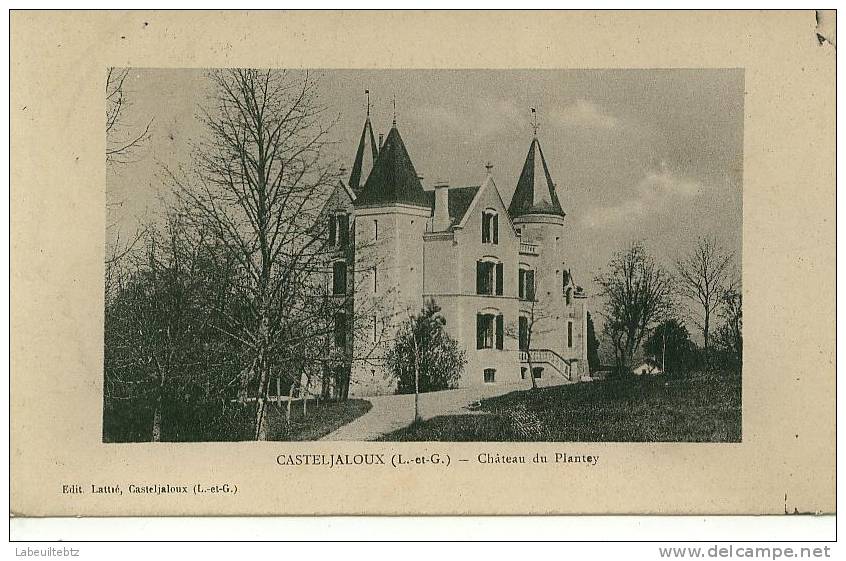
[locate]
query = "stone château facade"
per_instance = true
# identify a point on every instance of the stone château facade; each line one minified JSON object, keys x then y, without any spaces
{"x":498,"y":272}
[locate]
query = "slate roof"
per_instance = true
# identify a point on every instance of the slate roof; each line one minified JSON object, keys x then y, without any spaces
{"x":459,"y":201}
{"x":393,"y":178}
{"x":535,"y":193}
{"x":361,"y":153}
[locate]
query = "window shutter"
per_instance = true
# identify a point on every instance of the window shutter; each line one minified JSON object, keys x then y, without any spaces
{"x":339,"y":278}
{"x":499,"y":331}
{"x":480,"y":332}
{"x":495,"y":228}
{"x":479,"y":277}
{"x":344,"y":227}
{"x":524,"y":333}
{"x":530,"y":285}
{"x":521,"y":278}
{"x":332,"y":230}
{"x":499,"y":279}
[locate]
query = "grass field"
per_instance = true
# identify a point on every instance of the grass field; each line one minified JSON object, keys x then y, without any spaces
{"x":319,"y":422}
{"x":705,"y":408}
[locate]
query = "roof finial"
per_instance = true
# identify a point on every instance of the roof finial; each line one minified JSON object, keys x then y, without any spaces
{"x":367,"y":93}
{"x":535,"y":125}
{"x":395,"y":109}
{"x":489,"y":167}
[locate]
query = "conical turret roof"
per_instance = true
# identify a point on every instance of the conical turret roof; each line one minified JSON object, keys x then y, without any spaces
{"x":365,"y":156}
{"x":393,"y":178}
{"x":535,"y":193}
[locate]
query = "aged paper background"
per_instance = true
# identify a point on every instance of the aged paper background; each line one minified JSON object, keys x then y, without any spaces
{"x":786,"y":462}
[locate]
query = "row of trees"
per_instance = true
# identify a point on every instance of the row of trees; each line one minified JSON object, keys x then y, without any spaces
{"x":646,"y":304}
{"x":223,"y":301}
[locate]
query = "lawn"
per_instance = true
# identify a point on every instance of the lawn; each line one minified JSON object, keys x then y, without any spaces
{"x":704,"y":408}
{"x":319,"y":421}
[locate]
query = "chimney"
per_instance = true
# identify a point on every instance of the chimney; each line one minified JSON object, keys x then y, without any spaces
{"x":441,"y":221}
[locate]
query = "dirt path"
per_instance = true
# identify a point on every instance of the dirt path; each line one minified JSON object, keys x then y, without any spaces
{"x":393,"y":412}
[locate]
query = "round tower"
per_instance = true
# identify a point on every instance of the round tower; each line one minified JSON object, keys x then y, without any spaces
{"x":555,"y":318}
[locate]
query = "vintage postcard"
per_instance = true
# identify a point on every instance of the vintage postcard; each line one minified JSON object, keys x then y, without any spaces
{"x":422,"y":263}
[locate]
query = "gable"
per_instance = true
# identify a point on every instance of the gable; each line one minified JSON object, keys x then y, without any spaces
{"x":487,"y":196}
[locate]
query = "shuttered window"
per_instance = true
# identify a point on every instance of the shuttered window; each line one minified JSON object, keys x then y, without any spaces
{"x":527,"y":284}
{"x":489,"y":278}
{"x":500,"y":332}
{"x":339,"y":278}
{"x":524,"y":333}
{"x":343,"y":230}
{"x":485,"y":331}
{"x":499,"y":279}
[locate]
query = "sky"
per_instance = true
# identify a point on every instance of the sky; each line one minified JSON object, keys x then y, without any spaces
{"x":653,"y":155}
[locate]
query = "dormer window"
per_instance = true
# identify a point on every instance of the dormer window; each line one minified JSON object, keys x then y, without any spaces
{"x":490,"y":226}
{"x":489,"y":277}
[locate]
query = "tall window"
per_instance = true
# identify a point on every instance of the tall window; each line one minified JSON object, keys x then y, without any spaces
{"x":524,"y":333}
{"x":570,"y":334}
{"x":339,"y":277}
{"x":489,"y":331}
{"x":526,"y":284}
{"x":489,"y":277}
{"x":340,"y":329}
{"x":339,"y":230}
{"x":490,"y":227}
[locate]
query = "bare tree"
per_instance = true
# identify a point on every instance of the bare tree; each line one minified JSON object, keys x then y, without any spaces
{"x":122,"y":139}
{"x":536,"y":319}
{"x":729,"y":336}
{"x":703,"y":277}
{"x":159,"y":342}
{"x":123,"y":142}
{"x":638,"y":295}
{"x":258,"y":185}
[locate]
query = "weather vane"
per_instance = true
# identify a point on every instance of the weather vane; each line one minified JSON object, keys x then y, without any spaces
{"x":535,"y":125}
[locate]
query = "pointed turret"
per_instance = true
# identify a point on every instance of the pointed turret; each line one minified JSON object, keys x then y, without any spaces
{"x":366,"y":154}
{"x":535,"y":193}
{"x":393,"y":178}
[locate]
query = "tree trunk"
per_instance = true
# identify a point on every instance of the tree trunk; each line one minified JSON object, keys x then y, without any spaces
{"x":531,"y":370}
{"x":706,"y":332}
{"x":261,"y":405}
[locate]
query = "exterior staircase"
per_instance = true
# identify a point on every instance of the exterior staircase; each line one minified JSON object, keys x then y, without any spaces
{"x":548,"y":357}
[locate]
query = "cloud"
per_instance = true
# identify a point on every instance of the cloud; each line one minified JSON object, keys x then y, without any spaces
{"x":655,"y":192}
{"x":583,"y":113}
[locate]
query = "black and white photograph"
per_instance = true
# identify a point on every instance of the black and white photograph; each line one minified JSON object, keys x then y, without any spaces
{"x":423,"y":255}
